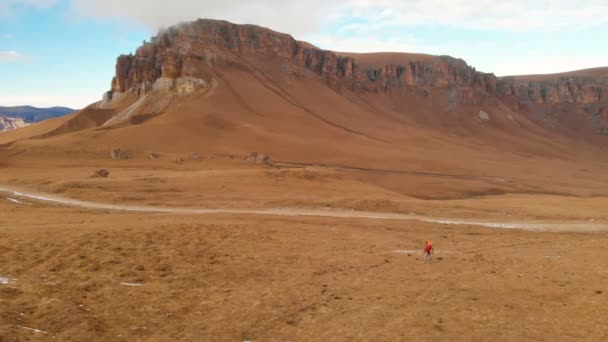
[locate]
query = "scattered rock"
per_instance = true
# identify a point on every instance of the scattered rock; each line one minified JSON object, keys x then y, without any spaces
{"x":153,"y":155}
{"x":180,"y":85}
{"x":115,"y":153}
{"x":260,"y":159}
{"x":194,"y":156}
{"x":483,"y":116}
{"x":118,"y":154}
{"x":189,"y":85}
{"x":101,"y":173}
{"x":179,"y":161}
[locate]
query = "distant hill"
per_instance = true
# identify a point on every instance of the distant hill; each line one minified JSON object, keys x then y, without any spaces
{"x":31,"y":114}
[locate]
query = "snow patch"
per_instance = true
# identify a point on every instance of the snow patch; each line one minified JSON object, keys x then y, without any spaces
{"x":6,"y":280}
{"x":34,"y":330}
{"x":131,"y":284}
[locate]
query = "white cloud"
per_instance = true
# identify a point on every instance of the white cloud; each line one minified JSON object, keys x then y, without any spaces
{"x":514,"y":15}
{"x":308,"y":17}
{"x":11,"y":56}
{"x":294,"y":17}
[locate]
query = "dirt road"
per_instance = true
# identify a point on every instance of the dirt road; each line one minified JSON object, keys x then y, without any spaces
{"x":575,"y":226}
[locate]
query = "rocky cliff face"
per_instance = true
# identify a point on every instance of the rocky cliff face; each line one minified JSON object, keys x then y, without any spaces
{"x":176,"y":52}
{"x":560,"y":90}
{"x":567,"y":103}
{"x":7,"y":124}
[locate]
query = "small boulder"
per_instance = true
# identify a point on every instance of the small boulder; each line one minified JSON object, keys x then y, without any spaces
{"x":260,"y":159}
{"x":101,"y":173}
{"x":115,"y":153}
{"x":118,"y":154}
{"x":153,"y":155}
{"x":483,"y":116}
{"x":194,"y":156}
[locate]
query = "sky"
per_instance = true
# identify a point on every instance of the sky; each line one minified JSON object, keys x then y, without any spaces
{"x":63,"y":52}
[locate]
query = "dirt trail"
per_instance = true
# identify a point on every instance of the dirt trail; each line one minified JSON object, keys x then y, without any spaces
{"x":531,"y":225}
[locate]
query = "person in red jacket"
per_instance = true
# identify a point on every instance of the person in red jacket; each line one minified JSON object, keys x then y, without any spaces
{"x":428,"y":251}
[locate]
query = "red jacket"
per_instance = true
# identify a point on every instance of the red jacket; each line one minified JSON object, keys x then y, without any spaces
{"x":428,"y":248}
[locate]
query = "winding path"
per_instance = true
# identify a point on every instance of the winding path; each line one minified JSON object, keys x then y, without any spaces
{"x":532,"y":225}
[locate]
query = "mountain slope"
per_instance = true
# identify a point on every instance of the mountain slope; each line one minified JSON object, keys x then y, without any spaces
{"x":217,"y":88}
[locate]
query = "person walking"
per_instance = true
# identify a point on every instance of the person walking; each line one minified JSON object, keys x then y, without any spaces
{"x":428,"y":251}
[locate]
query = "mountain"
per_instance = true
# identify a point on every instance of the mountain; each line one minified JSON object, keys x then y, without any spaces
{"x":187,"y":59}
{"x":217,"y":88}
{"x":32,"y":114}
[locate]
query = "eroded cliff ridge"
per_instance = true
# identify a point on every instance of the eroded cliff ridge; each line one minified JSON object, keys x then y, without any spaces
{"x":178,"y":52}
{"x":185,"y":58}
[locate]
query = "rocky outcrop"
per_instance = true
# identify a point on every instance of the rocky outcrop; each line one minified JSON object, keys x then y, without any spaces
{"x":7,"y":124}
{"x":179,"y":85}
{"x":118,"y":154}
{"x":482,"y":116}
{"x":560,"y":90}
{"x":173,"y":61}
{"x":575,"y":103}
{"x":260,"y":159}
{"x":101,"y":173}
{"x":445,"y":71}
